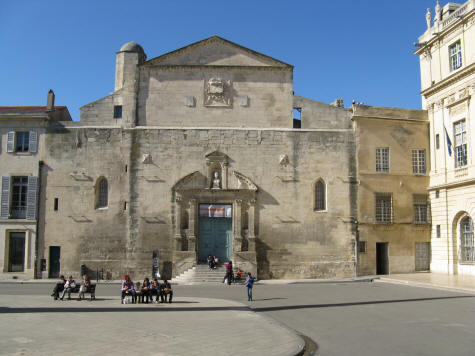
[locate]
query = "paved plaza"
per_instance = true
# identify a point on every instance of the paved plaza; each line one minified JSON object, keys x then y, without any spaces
{"x":338,"y":317}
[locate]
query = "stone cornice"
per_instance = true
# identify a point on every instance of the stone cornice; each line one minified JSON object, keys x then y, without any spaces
{"x":452,"y":184}
{"x":449,"y":80}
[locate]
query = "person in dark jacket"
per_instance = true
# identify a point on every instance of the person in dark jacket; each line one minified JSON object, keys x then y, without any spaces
{"x":59,"y":287}
{"x":166,"y":290}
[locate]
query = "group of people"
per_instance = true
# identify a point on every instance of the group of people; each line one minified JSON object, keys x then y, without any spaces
{"x":144,"y":292}
{"x":64,"y":286}
{"x":213,"y":261}
{"x":229,"y":276}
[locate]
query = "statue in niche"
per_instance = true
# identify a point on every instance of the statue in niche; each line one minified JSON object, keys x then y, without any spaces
{"x":428,"y":18}
{"x":216,"y":184}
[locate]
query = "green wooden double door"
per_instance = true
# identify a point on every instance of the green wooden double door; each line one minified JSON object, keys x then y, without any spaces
{"x":215,"y":238}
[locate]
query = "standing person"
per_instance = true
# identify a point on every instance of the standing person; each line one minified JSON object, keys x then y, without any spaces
{"x":68,"y":287}
{"x":249,"y":284}
{"x":229,"y":272}
{"x":128,"y":288}
{"x":59,"y":287}
{"x":85,"y":284}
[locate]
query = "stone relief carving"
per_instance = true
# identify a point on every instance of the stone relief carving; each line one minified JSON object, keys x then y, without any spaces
{"x":218,"y":93}
{"x":284,"y":160}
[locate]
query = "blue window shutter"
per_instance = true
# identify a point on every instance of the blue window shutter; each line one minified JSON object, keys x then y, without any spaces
{"x":10,"y":141}
{"x":5,"y":205}
{"x":31,"y":198}
{"x":33,"y":146}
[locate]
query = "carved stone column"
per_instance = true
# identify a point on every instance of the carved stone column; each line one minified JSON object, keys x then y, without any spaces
{"x":251,"y":227}
{"x":191,"y":226}
{"x":237,"y":235}
{"x":177,"y":238}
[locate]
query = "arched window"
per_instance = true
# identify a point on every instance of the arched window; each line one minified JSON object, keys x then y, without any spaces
{"x":102,"y":193}
{"x":467,"y":250}
{"x":320,"y":195}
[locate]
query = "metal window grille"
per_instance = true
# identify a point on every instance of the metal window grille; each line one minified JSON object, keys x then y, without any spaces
{"x":22,"y":141}
{"x":384,"y":208}
{"x":320,"y":201}
{"x":419,"y":161}
{"x":420,"y":209}
{"x":102,"y":194}
{"x":455,"y":52}
{"x":382,"y":160}
{"x":460,"y":141}
{"x":467,"y":243}
{"x":19,"y":197}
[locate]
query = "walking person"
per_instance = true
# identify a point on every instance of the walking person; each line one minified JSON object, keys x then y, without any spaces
{"x":249,"y":284}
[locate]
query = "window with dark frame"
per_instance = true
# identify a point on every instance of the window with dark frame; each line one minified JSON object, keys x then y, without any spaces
{"x":19,"y":197}
{"x":320,"y":196}
{"x":437,"y":231}
{"x":460,"y":141}
{"x":102,"y":193}
{"x":455,"y":53}
{"x":467,"y":247}
{"x":117,"y":111}
{"x":437,"y":141}
{"x":22,"y":141}
{"x":384,"y":210}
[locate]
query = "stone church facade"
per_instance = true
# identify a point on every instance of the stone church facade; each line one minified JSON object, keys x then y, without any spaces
{"x":195,"y":153}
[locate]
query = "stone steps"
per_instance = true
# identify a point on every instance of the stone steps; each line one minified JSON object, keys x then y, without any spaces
{"x":201,"y":274}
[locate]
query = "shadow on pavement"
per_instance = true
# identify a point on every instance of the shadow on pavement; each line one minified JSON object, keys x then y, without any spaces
{"x":333,"y":305}
{"x":157,"y":308}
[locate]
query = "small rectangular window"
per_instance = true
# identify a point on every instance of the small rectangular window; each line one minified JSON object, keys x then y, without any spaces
{"x":437,"y":229}
{"x":437,"y":194}
{"x":382,"y":160}
{"x":384,"y":208}
{"x":125,"y":205}
{"x":460,"y":143}
{"x":419,"y":161}
{"x":362,"y":246}
{"x":437,"y":141}
{"x":117,"y":111}
{"x":455,"y":54}
{"x":420,"y":209}
{"x":56,"y":204}
{"x":22,"y":141}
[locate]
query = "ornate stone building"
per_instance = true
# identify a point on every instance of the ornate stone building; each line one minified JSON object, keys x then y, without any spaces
{"x":195,"y":153}
{"x":447,"y":62}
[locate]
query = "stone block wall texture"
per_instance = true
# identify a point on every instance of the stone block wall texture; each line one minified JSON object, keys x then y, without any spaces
{"x":292,"y":239}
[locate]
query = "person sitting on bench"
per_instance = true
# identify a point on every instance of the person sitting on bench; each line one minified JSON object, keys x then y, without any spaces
{"x":85,"y":285}
{"x":155,"y":290}
{"x":59,"y":287}
{"x":166,"y":290}
{"x":145,"y":291}
{"x":128,"y":288}
{"x":68,"y":287}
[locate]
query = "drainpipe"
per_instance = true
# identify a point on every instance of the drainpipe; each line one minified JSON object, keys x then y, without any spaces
{"x":38,"y":202}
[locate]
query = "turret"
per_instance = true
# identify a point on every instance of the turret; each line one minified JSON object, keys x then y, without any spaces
{"x":128,"y":58}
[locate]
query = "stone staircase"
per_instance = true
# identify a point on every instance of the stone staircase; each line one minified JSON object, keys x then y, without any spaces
{"x":201,"y":274}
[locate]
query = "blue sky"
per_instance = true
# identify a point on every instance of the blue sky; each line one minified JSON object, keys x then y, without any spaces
{"x":359,"y":49}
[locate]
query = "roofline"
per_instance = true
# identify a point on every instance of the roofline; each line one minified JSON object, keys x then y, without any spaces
{"x":224,"y":40}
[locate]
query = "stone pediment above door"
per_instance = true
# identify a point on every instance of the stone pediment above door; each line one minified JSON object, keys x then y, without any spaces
{"x":216,"y":177}
{"x":199,"y":181}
